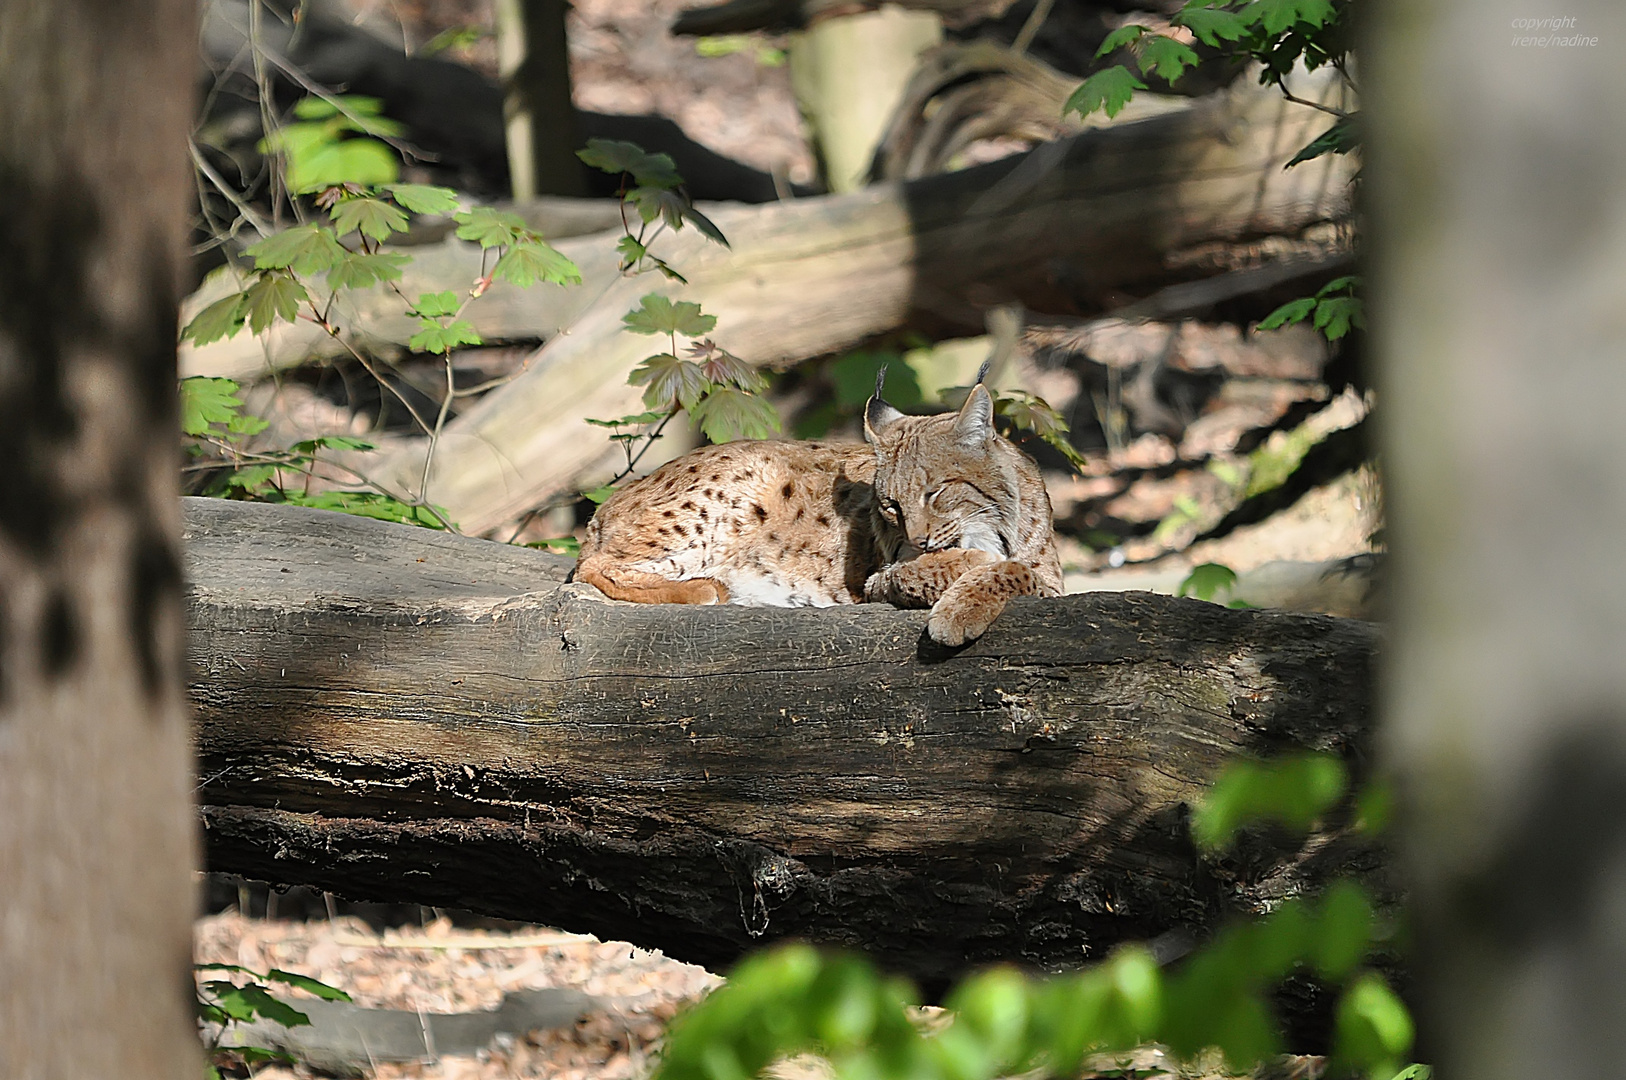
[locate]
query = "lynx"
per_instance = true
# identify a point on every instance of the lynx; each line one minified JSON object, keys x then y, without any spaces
{"x":935,"y":511}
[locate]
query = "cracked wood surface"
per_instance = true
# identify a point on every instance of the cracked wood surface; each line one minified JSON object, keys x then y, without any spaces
{"x":392,"y":713}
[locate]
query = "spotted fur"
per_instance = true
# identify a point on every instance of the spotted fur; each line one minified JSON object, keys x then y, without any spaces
{"x":931,"y":511}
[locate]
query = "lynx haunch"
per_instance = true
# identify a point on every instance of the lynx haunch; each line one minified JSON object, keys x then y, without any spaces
{"x":930,"y":511}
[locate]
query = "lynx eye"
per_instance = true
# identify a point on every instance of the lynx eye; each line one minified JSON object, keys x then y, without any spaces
{"x":893,"y":511}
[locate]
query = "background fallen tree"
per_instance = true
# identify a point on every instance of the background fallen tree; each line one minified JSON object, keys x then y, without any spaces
{"x":1066,"y":227}
{"x":388,"y":712}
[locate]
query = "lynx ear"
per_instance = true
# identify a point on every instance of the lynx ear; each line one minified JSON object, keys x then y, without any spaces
{"x":975,"y":424}
{"x":878,"y":416}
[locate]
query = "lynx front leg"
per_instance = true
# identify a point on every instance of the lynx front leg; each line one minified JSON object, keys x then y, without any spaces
{"x":975,"y":600}
{"x":919,"y":582}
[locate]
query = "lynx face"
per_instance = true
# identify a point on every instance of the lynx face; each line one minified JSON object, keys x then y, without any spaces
{"x":936,"y":480}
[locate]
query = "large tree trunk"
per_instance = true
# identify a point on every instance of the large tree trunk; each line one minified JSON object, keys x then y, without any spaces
{"x":96,"y":829}
{"x":394,"y":713}
{"x":1502,"y":251}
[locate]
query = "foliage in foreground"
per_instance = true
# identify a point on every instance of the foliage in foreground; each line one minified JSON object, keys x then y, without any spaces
{"x":227,"y":1002}
{"x":796,"y":999}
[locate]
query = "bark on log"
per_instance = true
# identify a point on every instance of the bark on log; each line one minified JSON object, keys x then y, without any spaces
{"x":393,"y":713}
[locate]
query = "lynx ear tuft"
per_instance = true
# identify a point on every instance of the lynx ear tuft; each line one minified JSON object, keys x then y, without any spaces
{"x":975,"y":424}
{"x":982,"y":372}
{"x":878,"y":416}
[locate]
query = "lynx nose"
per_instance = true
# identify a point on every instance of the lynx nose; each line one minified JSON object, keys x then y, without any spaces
{"x":924,"y":543}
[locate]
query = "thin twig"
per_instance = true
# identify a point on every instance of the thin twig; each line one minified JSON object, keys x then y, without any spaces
{"x":440,"y":424}
{"x":262,"y":89}
{"x":1290,"y":96}
{"x":261,"y":226}
{"x":1030,"y":29}
{"x":501,"y":380}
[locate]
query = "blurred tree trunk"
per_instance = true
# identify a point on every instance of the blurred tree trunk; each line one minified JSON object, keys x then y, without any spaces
{"x":537,"y":108}
{"x":850,"y":70}
{"x":96,"y":829}
{"x":1501,"y":243}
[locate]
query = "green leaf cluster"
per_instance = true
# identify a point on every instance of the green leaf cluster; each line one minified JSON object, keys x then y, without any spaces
{"x":336,"y":141}
{"x":1029,"y":412}
{"x":1293,"y":791}
{"x":650,"y":184}
{"x":1336,"y":309}
{"x":225,"y":1002}
{"x":1023,"y":411}
{"x":346,"y":249}
{"x":721,"y":392}
{"x":211,"y":408}
{"x":795,"y":999}
{"x":1277,"y":34}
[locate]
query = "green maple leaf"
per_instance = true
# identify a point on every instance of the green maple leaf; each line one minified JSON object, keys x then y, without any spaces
{"x":276,"y":295}
{"x":221,"y":319}
{"x":308,"y":984}
{"x":206,"y":401}
{"x":726,"y":369}
{"x":244,"y":1003}
{"x":304,"y":249}
{"x":368,"y":216}
{"x":728,"y":413}
{"x":1291,"y":312}
{"x":658,"y":315}
{"x":1211,"y":25}
{"x":435,"y":338}
{"x":1108,"y":89}
{"x":528,"y":262}
{"x":368,"y":504}
{"x":358,"y":269}
{"x":1166,"y":58}
{"x":424,"y":198}
{"x":1335,"y":316}
{"x":432,"y":305}
{"x":1033,"y":413}
{"x":616,"y":157}
{"x":1124,"y":35}
{"x":707,"y":227}
{"x":324,"y":162}
{"x":252,"y":479}
{"x":657,"y":202}
{"x":1278,"y":15}
{"x":669,"y":380}
{"x":1341,"y":138}
{"x":491,"y":228}
{"x":308,"y":447}
{"x":634,"y":420}
{"x":630,"y":250}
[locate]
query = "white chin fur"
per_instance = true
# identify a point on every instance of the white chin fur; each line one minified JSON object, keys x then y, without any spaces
{"x":982,"y":536}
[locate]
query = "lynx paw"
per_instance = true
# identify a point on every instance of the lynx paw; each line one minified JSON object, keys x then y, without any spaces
{"x":959,"y":617}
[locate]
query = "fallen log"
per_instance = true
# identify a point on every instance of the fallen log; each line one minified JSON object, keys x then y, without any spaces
{"x":1070,"y":226}
{"x":392,"y":713}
